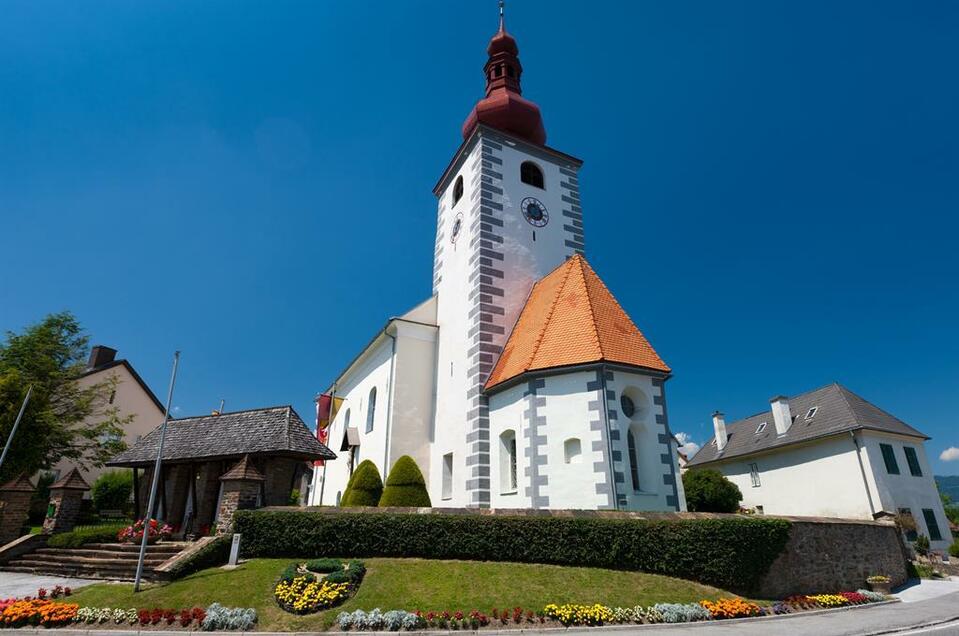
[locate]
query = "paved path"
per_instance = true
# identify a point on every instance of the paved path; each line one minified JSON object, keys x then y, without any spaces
{"x":13,"y":584}
{"x":925,"y":589}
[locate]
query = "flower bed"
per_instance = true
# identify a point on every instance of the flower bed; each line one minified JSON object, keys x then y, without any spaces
{"x":301,"y":592}
{"x":134,"y":533}
{"x":37,"y":611}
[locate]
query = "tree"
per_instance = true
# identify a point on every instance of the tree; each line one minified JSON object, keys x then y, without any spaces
{"x":112,"y":490}
{"x":707,"y":490}
{"x":405,"y":485}
{"x":364,"y":488}
{"x":63,"y":420}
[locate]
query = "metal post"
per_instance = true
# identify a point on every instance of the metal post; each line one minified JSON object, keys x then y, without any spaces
{"x":16,"y":423}
{"x":156,"y":477}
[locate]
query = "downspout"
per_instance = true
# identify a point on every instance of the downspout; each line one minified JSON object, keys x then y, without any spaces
{"x":862,"y":471}
{"x":389,"y":406}
{"x":609,"y":439}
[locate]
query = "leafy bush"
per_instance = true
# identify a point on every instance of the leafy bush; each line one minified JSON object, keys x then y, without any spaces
{"x":733,"y":552}
{"x":954,"y":548}
{"x":41,"y":498}
{"x":393,"y":620}
{"x":682,"y":612}
{"x":290,"y":573}
{"x":921,"y":544}
{"x":405,"y":486}
{"x":324,"y":566}
{"x":112,"y":490}
{"x":80,"y":536}
{"x":707,"y":490}
{"x":353,"y":574}
{"x":219,"y":617}
{"x":215,"y":553}
{"x":365,"y":486}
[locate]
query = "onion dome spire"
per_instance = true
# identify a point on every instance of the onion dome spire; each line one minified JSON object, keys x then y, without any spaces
{"x":504,"y":107}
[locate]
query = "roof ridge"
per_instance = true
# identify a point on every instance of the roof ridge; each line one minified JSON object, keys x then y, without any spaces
{"x":790,"y":398}
{"x":549,"y":316}
{"x":288,"y":409}
{"x":589,"y":304}
{"x":264,"y":408}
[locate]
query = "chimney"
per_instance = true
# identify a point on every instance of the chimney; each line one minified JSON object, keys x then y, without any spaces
{"x":719,"y":425}
{"x":100,"y":356}
{"x":781,"y":414}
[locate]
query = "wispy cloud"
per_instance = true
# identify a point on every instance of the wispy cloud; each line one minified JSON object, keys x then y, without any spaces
{"x":686,"y":444}
{"x":950,"y":454}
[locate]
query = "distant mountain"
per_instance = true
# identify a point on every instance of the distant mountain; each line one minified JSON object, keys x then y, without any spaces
{"x":949,"y":485}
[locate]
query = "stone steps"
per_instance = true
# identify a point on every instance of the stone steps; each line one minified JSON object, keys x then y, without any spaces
{"x":113,"y":561}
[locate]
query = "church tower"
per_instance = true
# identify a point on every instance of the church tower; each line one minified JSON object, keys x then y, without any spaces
{"x":508,"y":214}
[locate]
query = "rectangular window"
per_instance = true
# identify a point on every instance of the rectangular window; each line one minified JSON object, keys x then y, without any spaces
{"x":932,"y":524}
{"x":913,"y":460}
{"x":761,"y":428}
{"x":447,"y":476}
{"x":754,"y":475}
{"x":908,"y":523}
{"x":633,"y":459}
{"x":889,"y":457}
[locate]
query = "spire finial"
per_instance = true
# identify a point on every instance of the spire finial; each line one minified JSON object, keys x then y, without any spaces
{"x":502,"y":10}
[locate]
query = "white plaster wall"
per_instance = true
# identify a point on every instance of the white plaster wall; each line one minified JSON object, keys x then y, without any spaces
{"x":820,"y":479}
{"x":906,"y":490}
{"x":506,"y":413}
{"x":413,"y":394}
{"x":452,"y":316}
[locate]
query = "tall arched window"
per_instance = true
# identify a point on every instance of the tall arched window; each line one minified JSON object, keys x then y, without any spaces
{"x":371,"y":410}
{"x":633,"y":459}
{"x":507,"y":461}
{"x":530,"y":173}
{"x":458,"y":190}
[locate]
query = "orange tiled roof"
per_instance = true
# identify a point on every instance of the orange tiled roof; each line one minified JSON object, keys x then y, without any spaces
{"x":571,"y":318}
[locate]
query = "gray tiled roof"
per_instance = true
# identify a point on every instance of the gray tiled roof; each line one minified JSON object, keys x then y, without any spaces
{"x":839,"y":410}
{"x":277,"y":430}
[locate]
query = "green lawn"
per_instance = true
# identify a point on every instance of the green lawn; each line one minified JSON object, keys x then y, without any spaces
{"x":408,"y":584}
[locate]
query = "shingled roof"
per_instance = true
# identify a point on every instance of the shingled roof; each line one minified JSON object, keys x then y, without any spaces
{"x":271,"y":431}
{"x":838,"y":410}
{"x":571,"y":318}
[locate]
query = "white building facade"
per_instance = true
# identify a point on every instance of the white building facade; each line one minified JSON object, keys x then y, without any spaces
{"x":829,"y":453}
{"x":504,"y":386}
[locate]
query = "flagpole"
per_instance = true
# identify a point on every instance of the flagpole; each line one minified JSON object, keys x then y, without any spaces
{"x":16,"y":423}
{"x":156,"y":477}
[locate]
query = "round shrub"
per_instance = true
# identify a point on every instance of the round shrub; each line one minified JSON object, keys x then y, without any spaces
{"x":707,"y":490}
{"x":405,"y":486}
{"x":365,"y":486}
{"x":112,"y":490}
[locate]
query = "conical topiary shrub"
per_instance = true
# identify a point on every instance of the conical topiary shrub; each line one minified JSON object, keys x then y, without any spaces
{"x":405,"y":486}
{"x":364,"y":487}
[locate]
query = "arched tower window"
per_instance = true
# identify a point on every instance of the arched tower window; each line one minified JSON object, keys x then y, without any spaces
{"x":371,"y":410}
{"x":530,"y":173}
{"x":507,"y":463}
{"x":633,"y":459}
{"x":458,"y":189}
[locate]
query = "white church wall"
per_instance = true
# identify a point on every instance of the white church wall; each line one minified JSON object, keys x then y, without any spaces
{"x":507,"y":410}
{"x":413,"y":395}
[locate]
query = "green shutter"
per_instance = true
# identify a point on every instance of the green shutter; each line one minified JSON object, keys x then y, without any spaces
{"x":913,"y":460}
{"x":889,"y":457}
{"x":932,"y":524}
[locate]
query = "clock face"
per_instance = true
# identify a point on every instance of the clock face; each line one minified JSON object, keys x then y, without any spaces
{"x":457,"y":226}
{"x":535,"y":212}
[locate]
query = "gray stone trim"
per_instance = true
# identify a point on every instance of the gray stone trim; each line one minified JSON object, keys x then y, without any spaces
{"x":669,"y":479}
{"x":597,"y":424}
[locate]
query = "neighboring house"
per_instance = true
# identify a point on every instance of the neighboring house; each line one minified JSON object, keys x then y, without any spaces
{"x":829,"y":453}
{"x":521,"y":383}
{"x":132,"y":396}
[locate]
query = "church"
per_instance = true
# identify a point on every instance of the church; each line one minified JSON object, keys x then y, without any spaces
{"x":521,"y":382}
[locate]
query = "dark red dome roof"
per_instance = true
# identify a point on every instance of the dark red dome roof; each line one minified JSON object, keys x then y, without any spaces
{"x":504,"y":107}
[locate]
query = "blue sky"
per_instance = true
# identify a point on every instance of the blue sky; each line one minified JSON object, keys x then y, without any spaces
{"x":770,"y":189}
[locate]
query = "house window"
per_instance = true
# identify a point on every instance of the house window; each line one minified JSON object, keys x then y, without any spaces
{"x":530,"y":174}
{"x":754,"y":475}
{"x":627,"y":406}
{"x":458,"y":190}
{"x":908,"y":524}
{"x":633,"y":460}
{"x":113,"y":396}
{"x":913,"y":460}
{"x":811,"y":413}
{"x":507,"y":462}
{"x":573,"y":451}
{"x":932,"y":524}
{"x":761,"y":428}
{"x":371,"y":410}
{"x":889,"y":457}
{"x":447,"y":492}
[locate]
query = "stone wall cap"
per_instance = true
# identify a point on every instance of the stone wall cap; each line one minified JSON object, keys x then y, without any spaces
{"x":243,"y":470}
{"x":18,"y":484}
{"x":73,"y":480}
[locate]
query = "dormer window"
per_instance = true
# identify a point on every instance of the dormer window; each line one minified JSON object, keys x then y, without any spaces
{"x":761,"y":428}
{"x":458,"y":190}
{"x":811,"y":413}
{"x":530,"y":173}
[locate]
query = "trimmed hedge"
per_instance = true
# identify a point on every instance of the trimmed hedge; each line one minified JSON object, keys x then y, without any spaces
{"x":324,"y":566}
{"x":216,"y":552}
{"x":405,"y":486}
{"x":365,"y":486}
{"x":733,"y":553}
{"x":81,"y":536}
